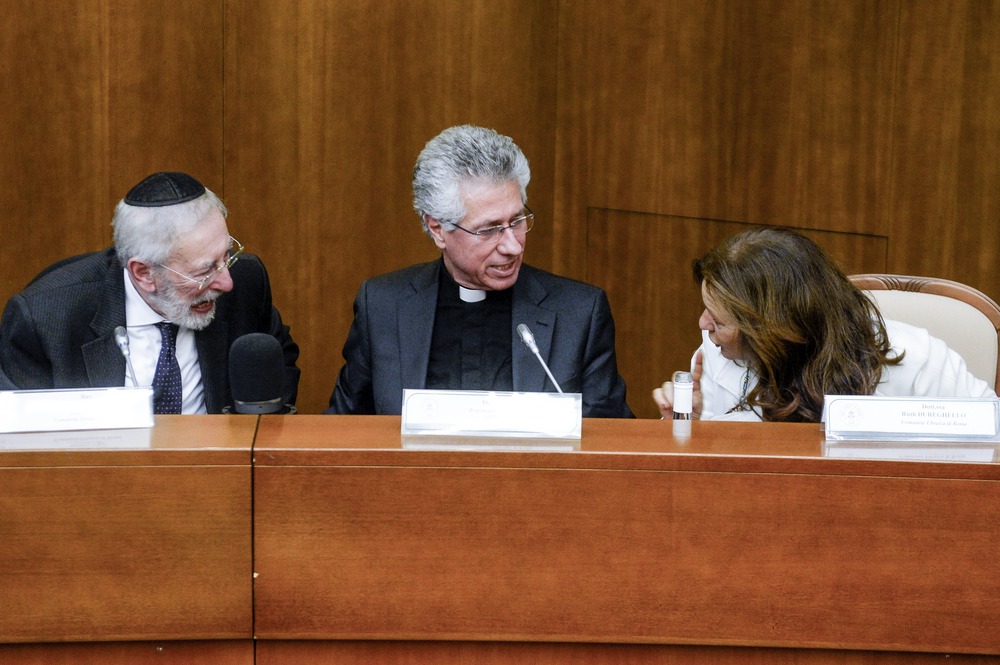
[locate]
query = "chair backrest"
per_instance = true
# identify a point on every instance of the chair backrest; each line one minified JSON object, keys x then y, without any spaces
{"x":966,"y":319}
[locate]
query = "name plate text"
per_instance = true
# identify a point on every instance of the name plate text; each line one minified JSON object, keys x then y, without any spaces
{"x":82,"y":409}
{"x":907,"y":418}
{"x":492,"y":414}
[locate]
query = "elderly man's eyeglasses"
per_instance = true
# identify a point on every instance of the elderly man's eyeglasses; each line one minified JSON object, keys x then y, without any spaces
{"x":518,"y":226}
{"x":232,"y":254}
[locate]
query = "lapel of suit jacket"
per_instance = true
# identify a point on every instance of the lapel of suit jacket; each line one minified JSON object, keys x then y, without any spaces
{"x":526,"y":308}
{"x":102,"y":358}
{"x":213,"y":355}
{"x":415,"y":326}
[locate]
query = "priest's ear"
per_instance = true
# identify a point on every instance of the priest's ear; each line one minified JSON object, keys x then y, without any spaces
{"x":142,"y":275}
{"x":436,"y":230}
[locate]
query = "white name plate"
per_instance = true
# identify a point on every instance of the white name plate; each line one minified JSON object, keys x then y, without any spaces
{"x":489,"y":444}
{"x":466,"y":413}
{"x":82,"y":409}
{"x":921,"y":453}
{"x":106,"y":439}
{"x":908,"y":418}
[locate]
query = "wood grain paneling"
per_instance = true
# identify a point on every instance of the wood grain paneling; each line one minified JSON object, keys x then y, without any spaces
{"x":99,"y":546}
{"x":94,"y":95}
{"x":53,"y":135}
{"x":505,"y":653}
{"x":945,"y":205}
{"x":217,"y":652}
{"x":677,"y":546}
{"x":328,"y":105}
{"x":165,"y":92}
{"x":654,"y":299}
{"x":764,"y":112}
{"x":111,"y":553}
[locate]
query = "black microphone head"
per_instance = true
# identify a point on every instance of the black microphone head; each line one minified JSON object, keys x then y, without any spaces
{"x":256,"y":373}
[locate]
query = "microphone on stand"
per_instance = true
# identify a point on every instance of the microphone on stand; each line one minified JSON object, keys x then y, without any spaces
{"x":257,"y":374}
{"x":121,"y":339}
{"x":529,"y":341}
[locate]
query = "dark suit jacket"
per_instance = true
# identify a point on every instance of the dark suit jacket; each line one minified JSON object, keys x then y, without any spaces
{"x":59,"y":331}
{"x":389,"y":343}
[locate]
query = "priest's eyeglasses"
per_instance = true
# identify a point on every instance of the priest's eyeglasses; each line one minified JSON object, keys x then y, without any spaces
{"x":518,"y":226}
{"x":232,"y":254}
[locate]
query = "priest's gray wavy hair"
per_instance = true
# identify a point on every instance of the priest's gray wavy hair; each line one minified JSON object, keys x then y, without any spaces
{"x":460,"y":154}
{"x":149,"y":234}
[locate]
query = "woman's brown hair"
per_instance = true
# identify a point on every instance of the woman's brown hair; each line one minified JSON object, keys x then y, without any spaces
{"x":806,"y":330}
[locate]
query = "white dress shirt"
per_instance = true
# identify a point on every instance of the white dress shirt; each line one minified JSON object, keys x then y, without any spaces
{"x":144,"y":341}
{"x":930,"y":368}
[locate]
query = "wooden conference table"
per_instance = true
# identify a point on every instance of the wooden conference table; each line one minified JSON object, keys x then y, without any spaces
{"x":339,"y":543}
{"x":140,"y":552}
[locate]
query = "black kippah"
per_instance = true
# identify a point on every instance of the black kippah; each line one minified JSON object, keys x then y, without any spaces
{"x":164,"y":189}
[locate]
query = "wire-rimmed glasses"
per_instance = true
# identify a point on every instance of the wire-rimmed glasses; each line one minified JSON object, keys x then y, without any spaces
{"x":231,"y":256}
{"x":518,"y":226}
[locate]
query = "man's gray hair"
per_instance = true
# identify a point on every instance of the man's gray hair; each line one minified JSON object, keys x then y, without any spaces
{"x":149,"y":234}
{"x":461,"y":154}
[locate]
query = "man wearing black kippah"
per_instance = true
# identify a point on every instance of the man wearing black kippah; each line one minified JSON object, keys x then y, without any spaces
{"x":179,"y":285}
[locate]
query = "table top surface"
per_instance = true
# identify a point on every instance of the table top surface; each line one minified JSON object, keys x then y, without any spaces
{"x":639,"y":444}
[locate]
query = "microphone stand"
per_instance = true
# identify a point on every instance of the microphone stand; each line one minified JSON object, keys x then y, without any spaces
{"x":529,"y":341}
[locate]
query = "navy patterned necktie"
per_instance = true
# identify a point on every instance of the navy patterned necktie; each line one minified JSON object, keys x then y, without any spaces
{"x":167,"y":390}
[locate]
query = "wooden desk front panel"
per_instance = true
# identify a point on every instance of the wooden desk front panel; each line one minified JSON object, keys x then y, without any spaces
{"x":540,"y":553}
{"x":208,"y":652}
{"x":130,"y":545}
{"x":337,"y":652}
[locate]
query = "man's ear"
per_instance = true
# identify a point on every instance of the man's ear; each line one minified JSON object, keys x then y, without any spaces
{"x":437,"y":231}
{"x":142,"y":275}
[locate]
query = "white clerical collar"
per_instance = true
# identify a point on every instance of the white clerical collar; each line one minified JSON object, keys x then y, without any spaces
{"x":471,"y":295}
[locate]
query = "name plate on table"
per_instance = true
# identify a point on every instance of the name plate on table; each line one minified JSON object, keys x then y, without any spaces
{"x":925,"y":451}
{"x":137,"y":438}
{"x":82,"y":409}
{"x":473,"y":419}
{"x":854,"y":418}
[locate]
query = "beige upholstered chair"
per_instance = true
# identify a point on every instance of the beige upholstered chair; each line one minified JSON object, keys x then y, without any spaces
{"x":966,"y":319}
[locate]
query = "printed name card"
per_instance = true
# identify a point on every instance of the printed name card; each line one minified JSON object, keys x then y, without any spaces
{"x":915,"y":452}
{"x":908,"y":418}
{"x":83,"y":409}
{"x":497,"y":415}
{"x":137,"y":438}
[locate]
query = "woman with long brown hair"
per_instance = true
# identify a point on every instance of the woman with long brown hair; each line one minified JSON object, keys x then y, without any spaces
{"x":783,"y":326}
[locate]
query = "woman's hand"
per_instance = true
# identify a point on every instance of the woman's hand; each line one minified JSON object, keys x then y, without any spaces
{"x":664,"y":395}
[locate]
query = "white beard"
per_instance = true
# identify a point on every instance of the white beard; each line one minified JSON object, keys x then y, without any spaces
{"x":176,"y":308}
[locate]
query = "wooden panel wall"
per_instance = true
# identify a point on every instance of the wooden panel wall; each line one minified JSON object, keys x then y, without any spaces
{"x":94,"y":96}
{"x":770,"y":112}
{"x":944,"y":207}
{"x":847,"y":116}
{"x":53,"y":135}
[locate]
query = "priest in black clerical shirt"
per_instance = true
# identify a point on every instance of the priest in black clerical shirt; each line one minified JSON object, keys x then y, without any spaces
{"x":470,"y":347}
{"x":450,"y":324}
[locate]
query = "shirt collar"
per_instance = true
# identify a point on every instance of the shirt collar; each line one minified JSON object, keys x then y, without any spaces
{"x":137,"y":311}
